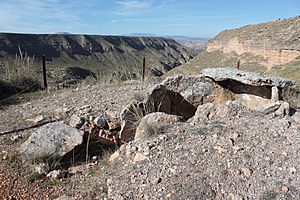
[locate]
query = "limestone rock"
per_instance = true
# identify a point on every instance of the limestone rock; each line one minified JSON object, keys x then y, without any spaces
{"x":283,"y":110}
{"x":199,"y":93}
{"x":249,"y":78}
{"x":159,"y":99}
{"x":296,"y":119}
{"x":76,"y":121}
{"x":279,"y":108}
{"x":195,"y":89}
{"x":154,"y":121}
{"x":254,"y":102}
{"x":275,"y":94}
{"x":210,"y":111}
{"x":52,"y":139}
{"x":179,"y":83}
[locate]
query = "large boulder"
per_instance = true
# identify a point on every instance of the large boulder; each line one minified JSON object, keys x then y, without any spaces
{"x":197,"y":90}
{"x":55,"y":139}
{"x":249,"y":78}
{"x":154,"y":121}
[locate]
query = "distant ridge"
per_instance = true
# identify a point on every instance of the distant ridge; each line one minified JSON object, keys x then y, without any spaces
{"x":196,"y":43}
{"x":104,"y":56}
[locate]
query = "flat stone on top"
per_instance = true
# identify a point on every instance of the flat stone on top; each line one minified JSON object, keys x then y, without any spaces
{"x":249,"y":78}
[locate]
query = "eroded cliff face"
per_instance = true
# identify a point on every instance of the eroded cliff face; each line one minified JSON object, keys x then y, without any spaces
{"x":100,"y":54}
{"x":278,"y":42}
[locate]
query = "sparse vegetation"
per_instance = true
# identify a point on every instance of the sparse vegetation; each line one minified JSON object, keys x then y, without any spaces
{"x":149,"y":129}
{"x":52,"y":161}
{"x":19,"y":76}
{"x":31,"y":178}
{"x":15,"y":160}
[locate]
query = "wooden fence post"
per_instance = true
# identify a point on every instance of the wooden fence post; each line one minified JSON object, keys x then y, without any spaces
{"x":144,"y":68}
{"x":44,"y":72}
{"x":238,"y":64}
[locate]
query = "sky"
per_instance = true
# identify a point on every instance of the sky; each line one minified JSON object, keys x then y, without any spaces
{"x":194,"y":18}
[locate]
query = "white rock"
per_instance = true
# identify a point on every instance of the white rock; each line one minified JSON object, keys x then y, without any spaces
{"x":55,"y":174}
{"x":16,"y":137}
{"x":139,"y":157}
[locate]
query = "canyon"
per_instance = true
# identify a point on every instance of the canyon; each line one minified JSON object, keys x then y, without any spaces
{"x":103,"y":56}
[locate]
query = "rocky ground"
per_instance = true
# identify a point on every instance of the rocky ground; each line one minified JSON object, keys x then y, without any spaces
{"x":15,"y":177}
{"x":225,"y":151}
{"x":245,"y":156}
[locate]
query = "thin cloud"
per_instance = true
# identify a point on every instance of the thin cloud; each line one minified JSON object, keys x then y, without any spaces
{"x":132,"y":7}
{"x":38,"y":16}
{"x":134,"y":4}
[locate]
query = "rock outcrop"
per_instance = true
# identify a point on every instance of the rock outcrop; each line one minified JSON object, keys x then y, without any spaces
{"x":182,"y":95}
{"x":277,"y":41}
{"x":177,"y":99}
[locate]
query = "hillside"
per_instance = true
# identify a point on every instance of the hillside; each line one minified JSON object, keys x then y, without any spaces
{"x":272,"y":47}
{"x":103,"y":56}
